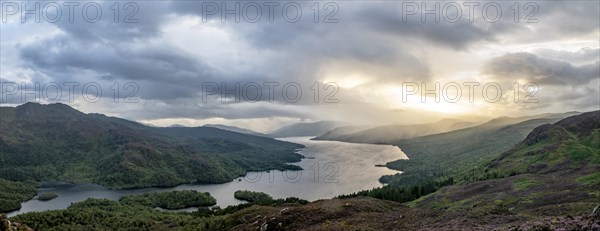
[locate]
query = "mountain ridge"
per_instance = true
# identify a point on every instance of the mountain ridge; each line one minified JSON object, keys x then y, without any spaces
{"x":235,"y":129}
{"x":304,"y":129}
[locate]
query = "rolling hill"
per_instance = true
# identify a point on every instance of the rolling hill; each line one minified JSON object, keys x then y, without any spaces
{"x":235,"y":129}
{"x":390,"y":133}
{"x":304,"y":129}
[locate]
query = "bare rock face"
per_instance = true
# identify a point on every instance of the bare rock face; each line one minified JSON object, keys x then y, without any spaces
{"x":538,"y":134}
{"x":7,"y":225}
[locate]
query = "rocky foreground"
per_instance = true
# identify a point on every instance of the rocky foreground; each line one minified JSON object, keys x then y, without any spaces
{"x":372,"y":214}
{"x":7,"y":225}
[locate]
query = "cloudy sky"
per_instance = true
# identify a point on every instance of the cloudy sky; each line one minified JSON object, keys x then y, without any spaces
{"x":363,"y":62}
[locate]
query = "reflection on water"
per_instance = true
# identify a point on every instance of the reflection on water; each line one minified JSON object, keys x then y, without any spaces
{"x":330,"y":169}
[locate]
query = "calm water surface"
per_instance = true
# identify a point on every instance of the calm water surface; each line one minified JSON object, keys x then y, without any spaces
{"x":331,"y":168}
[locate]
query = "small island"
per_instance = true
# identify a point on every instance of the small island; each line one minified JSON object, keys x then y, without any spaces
{"x":171,"y":200}
{"x":252,"y":197}
{"x":47,"y":196}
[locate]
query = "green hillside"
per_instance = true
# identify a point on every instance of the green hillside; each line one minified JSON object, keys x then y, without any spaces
{"x":56,"y":142}
{"x":553,"y":171}
{"x":390,"y":133}
{"x":305,"y":129}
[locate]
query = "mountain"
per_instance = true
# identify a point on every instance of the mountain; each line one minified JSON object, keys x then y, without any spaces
{"x":56,"y":142}
{"x":175,"y":126}
{"x":341,"y":132}
{"x":506,"y":120}
{"x":305,"y":129}
{"x":391,"y":133}
{"x":234,"y":129}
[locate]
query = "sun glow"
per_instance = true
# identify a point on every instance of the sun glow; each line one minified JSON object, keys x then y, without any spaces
{"x":350,"y":81}
{"x":428,"y":103}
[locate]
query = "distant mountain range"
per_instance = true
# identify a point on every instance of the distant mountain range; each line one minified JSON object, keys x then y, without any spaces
{"x":390,"y":133}
{"x":56,"y":142}
{"x":294,"y":130}
{"x":305,"y":129}
{"x":222,"y":127}
{"x":235,"y":129}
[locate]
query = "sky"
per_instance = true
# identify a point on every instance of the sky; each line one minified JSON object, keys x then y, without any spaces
{"x":262,"y":65}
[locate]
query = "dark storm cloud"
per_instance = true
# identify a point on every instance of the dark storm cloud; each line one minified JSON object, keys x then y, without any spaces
{"x":308,"y":45}
{"x":544,"y":21}
{"x":541,"y":70}
{"x":563,"y":17}
{"x":119,"y":61}
{"x":357,"y":19}
{"x":370,"y":38}
{"x":388,"y":18}
{"x":575,"y":98}
{"x":137,"y":21}
{"x":119,"y":52}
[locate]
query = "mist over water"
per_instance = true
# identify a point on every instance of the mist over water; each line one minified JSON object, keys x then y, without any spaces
{"x":331,"y":168}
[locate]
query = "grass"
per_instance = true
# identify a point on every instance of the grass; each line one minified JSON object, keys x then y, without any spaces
{"x":524,"y":184}
{"x":590,"y":180}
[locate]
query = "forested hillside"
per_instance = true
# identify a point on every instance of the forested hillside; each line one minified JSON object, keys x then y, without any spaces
{"x":56,"y":142}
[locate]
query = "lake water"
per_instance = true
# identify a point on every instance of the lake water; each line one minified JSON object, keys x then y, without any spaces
{"x":331,"y":168}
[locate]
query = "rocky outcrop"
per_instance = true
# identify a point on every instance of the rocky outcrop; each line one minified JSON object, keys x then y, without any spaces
{"x":538,"y":134}
{"x":7,"y":225}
